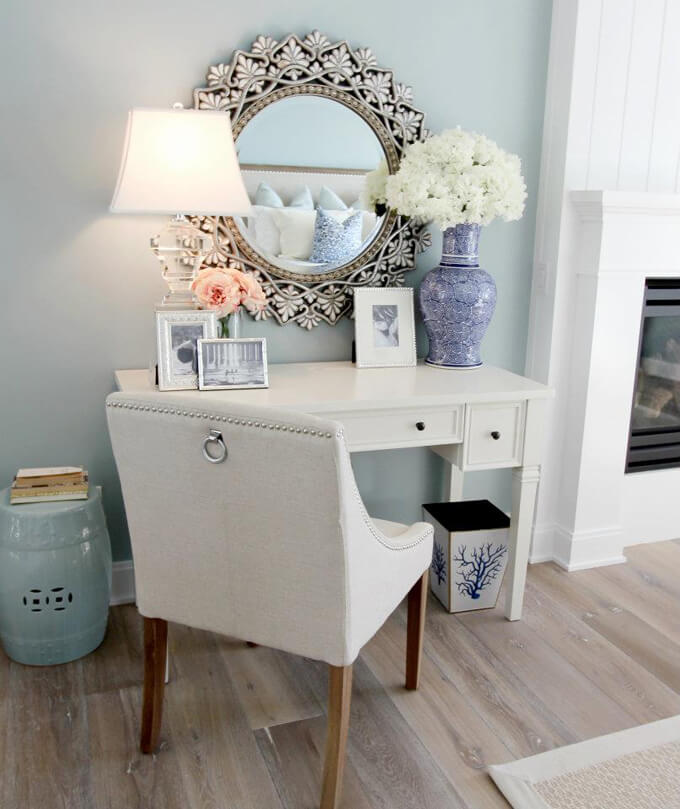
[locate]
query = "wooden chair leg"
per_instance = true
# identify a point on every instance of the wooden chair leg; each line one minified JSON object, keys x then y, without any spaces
{"x":155,"y":649}
{"x":339,"y":700}
{"x":415,"y":626}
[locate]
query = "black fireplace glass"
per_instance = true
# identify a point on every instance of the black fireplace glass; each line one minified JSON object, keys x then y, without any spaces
{"x":657,"y":393}
{"x":654,"y":440}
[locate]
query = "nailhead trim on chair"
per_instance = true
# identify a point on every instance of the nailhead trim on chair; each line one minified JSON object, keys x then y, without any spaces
{"x":284,"y":428}
{"x":229,"y":419}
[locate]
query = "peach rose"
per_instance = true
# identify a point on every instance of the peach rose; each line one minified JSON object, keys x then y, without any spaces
{"x":253,"y":297}
{"x":218,"y":290}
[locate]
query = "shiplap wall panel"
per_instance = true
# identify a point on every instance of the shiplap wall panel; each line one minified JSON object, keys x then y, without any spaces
{"x":664,"y":159}
{"x":586,"y":48}
{"x":641,"y":94}
{"x":606,"y":124}
{"x":634,"y":124}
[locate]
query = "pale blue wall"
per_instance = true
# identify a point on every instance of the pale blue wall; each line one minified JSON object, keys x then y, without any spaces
{"x":79,"y":284}
{"x":315,"y":132}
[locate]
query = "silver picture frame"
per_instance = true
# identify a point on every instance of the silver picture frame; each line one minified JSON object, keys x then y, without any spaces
{"x":232,"y":363}
{"x":384,"y":327}
{"x":177,"y":336}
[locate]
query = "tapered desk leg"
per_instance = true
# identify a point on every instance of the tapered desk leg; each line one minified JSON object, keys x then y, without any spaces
{"x":524,"y":487}
{"x":453,"y":483}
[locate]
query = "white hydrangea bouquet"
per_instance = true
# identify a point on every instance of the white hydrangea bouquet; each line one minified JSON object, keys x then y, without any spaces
{"x":452,"y":178}
{"x":460,"y":181}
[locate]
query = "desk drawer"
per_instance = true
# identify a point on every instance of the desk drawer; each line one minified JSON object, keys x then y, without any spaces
{"x":412,"y":427}
{"x":495,"y":435}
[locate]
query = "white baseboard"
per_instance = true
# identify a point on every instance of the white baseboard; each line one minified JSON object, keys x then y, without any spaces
{"x":577,"y":550}
{"x":598,"y":548}
{"x":542,"y":545}
{"x":587,"y":565}
{"x":123,"y":583}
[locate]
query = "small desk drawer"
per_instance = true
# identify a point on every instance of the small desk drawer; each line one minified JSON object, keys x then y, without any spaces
{"x":412,"y":427}
{"x":494,"y":435}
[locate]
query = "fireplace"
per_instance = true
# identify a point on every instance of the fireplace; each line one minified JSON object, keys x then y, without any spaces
{"x":654,"y":441}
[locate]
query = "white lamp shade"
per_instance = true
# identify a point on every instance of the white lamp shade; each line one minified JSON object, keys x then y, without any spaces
{"x":179,"y":161}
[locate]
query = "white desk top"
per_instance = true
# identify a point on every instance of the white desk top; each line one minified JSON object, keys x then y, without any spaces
{"x":329,"y":387}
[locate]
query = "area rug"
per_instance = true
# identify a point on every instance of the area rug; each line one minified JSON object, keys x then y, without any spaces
{"x":637,"y":768}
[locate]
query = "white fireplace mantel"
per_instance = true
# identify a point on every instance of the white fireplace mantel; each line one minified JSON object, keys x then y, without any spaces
{"x":619,"y":240}
{"x":600,"y":205}
{"x":611,"y":121}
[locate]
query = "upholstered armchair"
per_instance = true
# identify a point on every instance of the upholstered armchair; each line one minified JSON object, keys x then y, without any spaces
{"x":247,"y":521}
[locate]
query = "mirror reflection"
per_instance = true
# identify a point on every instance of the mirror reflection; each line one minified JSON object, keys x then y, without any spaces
{"x":304,"y":160}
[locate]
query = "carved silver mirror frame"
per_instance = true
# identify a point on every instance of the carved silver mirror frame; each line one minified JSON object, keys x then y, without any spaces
{"x":272,"y":70}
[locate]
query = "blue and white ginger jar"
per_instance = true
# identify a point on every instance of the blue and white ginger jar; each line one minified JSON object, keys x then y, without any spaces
{"x":457,"y":301}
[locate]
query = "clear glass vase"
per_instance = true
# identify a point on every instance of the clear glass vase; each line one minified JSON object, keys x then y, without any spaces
{"x":230,"y":325}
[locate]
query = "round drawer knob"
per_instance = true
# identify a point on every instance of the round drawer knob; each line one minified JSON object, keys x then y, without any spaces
{"x":420,"y":425}
{"x":495,"y":435}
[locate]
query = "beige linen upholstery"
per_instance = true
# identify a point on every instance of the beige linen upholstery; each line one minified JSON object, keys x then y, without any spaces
{"x":272,"y":546}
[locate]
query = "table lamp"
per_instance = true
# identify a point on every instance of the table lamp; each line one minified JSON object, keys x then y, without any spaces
{"x":178,"y":161}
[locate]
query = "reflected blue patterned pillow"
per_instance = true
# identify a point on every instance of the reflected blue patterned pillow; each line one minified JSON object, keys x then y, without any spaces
{"x":335,"y":241}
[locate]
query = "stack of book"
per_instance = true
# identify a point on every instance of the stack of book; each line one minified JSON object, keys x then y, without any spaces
{"x":45,"y":484}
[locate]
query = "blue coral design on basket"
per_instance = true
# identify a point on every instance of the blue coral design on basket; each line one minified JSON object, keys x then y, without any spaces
{"x":439,"y":563}
{"x":478,"y":568}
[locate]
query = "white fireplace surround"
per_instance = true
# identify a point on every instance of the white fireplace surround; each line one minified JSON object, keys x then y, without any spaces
{"x":591,"y":510}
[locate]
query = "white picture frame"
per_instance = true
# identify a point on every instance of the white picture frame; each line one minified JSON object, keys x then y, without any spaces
{"x":384,"y":327}
{"x":177,"y":336}
{"x":232,"y":363}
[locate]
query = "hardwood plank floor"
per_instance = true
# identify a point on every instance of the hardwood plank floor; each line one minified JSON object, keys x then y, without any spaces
{"x":597,"y":651}
{"x":653,"y":649}
{"x":271,"y":691}
{"x":625,"y":680}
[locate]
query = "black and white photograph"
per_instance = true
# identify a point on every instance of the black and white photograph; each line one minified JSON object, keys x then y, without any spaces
{"x":384,"y":327}
{"x":184,"y":356}
{"x":225,"y":364}
{"x":178,"y":333}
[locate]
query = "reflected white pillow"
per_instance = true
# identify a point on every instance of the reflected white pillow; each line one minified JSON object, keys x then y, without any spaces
{"x":265,"y":195}
{"x":296,"y":232}
{"x":296,"y":229}
{"x":368,"y":220}
{"x":302,"y":199}
{"x":263,"y":232}
{"x":330,"y":201}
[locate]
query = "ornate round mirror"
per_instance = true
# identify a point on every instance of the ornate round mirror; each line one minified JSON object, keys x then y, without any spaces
{"x":305,"y":157}
{"x":310,"y":119}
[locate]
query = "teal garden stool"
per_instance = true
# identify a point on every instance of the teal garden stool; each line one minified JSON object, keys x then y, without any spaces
{"x":55,"y":579}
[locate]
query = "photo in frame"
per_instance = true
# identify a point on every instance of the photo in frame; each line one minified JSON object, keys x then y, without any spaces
{"x":177,"y":336}
{"x":384,"y":327}
{"x":232,"y":364}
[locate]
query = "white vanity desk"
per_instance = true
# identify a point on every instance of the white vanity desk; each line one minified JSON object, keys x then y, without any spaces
{"x":482,"y":418}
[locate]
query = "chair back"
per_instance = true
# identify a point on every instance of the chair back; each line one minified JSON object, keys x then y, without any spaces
{"x":251,"y":546}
